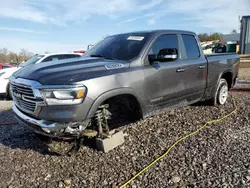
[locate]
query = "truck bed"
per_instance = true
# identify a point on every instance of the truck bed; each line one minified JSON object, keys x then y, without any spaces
{"x":220,"y":63}
{"x":219,"y":54}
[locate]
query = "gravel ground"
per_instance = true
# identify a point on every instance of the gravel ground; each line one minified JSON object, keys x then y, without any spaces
{"x":245,"y":74}
{"x":219,"y":156}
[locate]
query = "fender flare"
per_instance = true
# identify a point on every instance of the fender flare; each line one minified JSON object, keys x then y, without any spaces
{"x":218,"y":81}
{"x":226,"y":71}
{"x":210,"y":93}
{"x":112,"y":93}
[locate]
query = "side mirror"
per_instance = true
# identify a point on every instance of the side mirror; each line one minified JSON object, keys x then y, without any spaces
{"x":164,"y":55}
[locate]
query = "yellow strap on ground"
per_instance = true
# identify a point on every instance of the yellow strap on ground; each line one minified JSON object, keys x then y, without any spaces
{"x":179,"y":140}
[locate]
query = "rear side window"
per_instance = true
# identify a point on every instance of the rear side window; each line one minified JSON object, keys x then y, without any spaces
{"x":191,"y":46}
{"x":164,"y":41}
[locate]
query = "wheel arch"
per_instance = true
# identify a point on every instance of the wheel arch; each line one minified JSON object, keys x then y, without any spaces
{"x":111,"y":94}
{"x":228,"y":76}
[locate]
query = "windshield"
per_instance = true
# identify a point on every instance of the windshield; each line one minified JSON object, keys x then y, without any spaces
{"x":121,"y":47}
{"x":32,"y":60}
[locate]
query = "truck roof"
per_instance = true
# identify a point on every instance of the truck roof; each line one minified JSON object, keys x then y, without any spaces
{"x":59,"y":53}
{"x":160,"y":31}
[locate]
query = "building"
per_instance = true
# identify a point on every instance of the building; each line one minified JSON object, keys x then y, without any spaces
{"x":245,"y":35}
{"x":231,"y":38}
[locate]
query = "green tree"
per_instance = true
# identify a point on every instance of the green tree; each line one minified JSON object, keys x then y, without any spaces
{"x":209,"y":37}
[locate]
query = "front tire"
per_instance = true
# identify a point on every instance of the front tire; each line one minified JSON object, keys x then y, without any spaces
{"x":221,"y":94}
{"x":8,"y":93}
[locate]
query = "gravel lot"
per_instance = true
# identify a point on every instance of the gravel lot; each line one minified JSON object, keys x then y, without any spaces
{"x":219,"y":156}
{"x":245,"y":74}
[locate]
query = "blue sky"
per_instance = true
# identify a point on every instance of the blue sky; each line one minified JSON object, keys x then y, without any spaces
{"x":63,"y":25}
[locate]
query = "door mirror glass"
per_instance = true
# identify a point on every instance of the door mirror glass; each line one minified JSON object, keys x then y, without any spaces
{"x":164,"y":55}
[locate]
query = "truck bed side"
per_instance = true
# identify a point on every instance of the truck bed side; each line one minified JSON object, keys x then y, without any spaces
{"x":221,"y":65}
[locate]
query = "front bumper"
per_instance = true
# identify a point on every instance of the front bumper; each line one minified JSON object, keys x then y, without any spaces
{"x":47,"y":128}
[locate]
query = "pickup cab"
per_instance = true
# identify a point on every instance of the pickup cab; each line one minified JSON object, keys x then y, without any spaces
{"x":124,"y":77}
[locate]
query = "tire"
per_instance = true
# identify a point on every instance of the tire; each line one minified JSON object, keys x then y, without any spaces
{"x":221,"y":94}
{"x":8,"y":93}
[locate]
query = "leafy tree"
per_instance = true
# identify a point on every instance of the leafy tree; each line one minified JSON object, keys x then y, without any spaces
{"x":11,"y":57}
{"x":209,"y":37}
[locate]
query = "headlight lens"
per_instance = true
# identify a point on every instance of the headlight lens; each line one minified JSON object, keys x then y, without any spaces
{"x":64,"y":96}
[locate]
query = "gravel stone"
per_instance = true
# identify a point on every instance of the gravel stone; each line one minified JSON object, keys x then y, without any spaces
{"x":176,"y":179}
{"x":47,"y":178}
{"x":67,"y":181}
{"x":61,"y":184}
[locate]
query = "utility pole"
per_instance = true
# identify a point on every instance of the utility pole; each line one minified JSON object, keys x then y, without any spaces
{"x":239,"y":24}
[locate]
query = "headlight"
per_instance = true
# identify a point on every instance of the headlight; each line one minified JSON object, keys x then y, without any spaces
{"x":63,"y":96}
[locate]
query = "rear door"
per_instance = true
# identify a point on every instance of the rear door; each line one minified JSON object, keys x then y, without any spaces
{"x":195,"y":73}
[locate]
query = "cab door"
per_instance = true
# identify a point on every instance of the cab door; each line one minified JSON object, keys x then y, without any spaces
{"x":164,"y":82}
{"x":195,"y":73}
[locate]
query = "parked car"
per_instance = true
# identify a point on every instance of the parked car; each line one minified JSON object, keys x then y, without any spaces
{"x":132,"y":75}
{"x":4,"y":81}
{"x":207,"y":48}
{"x":6,"y":66}
{"x":219,"y":48}
{"x":36,"y":59}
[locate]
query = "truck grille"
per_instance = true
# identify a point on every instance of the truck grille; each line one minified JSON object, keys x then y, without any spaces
{"x":23,"y":97}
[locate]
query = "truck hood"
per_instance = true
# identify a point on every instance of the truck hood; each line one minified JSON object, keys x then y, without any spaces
{"x":71,"y":71}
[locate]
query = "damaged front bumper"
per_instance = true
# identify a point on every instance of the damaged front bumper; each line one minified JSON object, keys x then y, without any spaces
{"x":69,"y":130}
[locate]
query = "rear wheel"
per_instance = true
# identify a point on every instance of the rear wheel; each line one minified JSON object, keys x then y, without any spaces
{"x":221,"y":94}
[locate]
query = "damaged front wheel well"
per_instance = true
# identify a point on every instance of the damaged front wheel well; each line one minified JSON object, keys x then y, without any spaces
{"x":128,"y":102}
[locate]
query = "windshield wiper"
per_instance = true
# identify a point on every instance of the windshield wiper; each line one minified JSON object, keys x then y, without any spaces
{"x":98,"y":55}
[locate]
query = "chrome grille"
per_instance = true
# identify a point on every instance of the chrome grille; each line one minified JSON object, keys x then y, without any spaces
{"x":24,"y":97}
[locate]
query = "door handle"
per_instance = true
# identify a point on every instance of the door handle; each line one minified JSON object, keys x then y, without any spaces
{"x":180,"y":70}
{"x":201,"y":66}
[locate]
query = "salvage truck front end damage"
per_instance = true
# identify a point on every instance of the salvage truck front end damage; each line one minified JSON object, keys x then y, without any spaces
{"x":60,"y":108}
{"x":122,"y":79}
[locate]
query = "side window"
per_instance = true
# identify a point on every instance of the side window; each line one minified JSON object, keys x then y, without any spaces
{"x":61,"y":57}
{"x":191,"y":46}
{"x":164,"y":41}
{"x":53,"y":58}
{"x":6,"y":67}
{"x":68,"y":56}
{"x":47,"y":59}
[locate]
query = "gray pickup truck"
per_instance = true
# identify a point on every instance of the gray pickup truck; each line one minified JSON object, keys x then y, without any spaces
{"x":123,"y":77}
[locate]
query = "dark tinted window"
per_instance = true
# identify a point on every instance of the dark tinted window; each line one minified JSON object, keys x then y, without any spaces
{"x":121,"y":47}
{"x":71,"y":56}
{"x":6,"y":67}
{"x":191,"y":46}
{"x":164,"y":41}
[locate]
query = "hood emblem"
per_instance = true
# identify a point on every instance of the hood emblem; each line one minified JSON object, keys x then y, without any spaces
{"x":114,"y":66}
